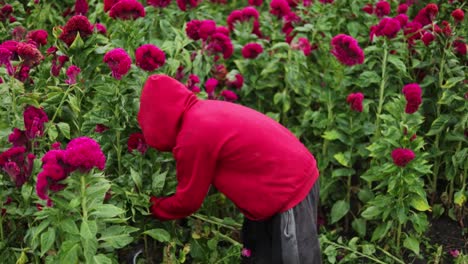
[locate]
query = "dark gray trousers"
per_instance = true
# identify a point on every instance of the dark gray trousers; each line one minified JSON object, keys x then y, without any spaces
{"x":290,"y":237}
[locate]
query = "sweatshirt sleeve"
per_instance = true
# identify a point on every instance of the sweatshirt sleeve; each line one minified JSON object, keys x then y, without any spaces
{"x":195,"y":167}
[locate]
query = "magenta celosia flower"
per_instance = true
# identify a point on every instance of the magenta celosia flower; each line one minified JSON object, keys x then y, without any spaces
{"x":279,"y":8}
{"x":250,"y":12}
{"x":229,"y":95}
{"x":346,"y":49}
{"x":427,"y":38}
{"x":210,"y":86}
{"x":118,"y":61}
{"x":76,"y":24}
{"x":403,"y":19}
{"x":108,"y":4}
{"x":355,"y":101}
{"x":402,"y":156}
{"x":368,"y":8}
{"x":222,"y":30}
{"x":382,"y":8}
{"x":255,"y":2}
{"x":413,"y":31}
{"x":234,"y":17}
{"x":29,"y":54}
{"x":5,"y":59}
{"x":237,"y":82}
{"x":100,"y":28}
{"x":56,"y":145}
{"x":402,"y":8}
{"x":19,"y":33}
{"x":55,"y":70}
{"x":149,"y":57}
{"x":252,"y":50}
{"x":183,"y":4}
{"x":72,"y":73}
{"x":388,"y":27}
{"x":18,"y":138}
{"x":246,"y":252}
{"x":192,"y":29}
{"x":18,"y":164}
{"x":220,"y":43}
{"x":458,"y":15}
{"x":34,"y":119}
{"x":426,"y":15}
{"x":180,"y":73}
{"x":136,"y":141}
{"x":206,"y":29}
{"x":52,"y":172}
{"x":84,"y":153}
{"x":38,"y":36}
{"x":100,"y":128}
{"x":5,"y":12}
{"x":159,"y":3}
{"x":412,"y":94}
{"x":304,"y":45}
{"x":454,"y":253}
{"x":192,"y":81}
{"x":22,"y":74}
{"x":81,"y":7}
{"x":460,"y":47}
{"x":127,"y":10}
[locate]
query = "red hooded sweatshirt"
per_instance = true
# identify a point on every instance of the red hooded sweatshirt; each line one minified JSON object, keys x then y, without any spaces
{"x":249,"y":157}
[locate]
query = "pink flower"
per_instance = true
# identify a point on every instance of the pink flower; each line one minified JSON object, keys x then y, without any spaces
{"x":460,"y":47}
{"x":413,"y":31}
{"x":100,"y":28}
{"x":38,"y":36}
{"x":252,"y":50}
{"x":159,"y":3}
{"x":220,"y":43}
{"x":30,"y":55}
{"x":210,"y":86}
{"x":403,"y":19}
{"x":222,"y":30}
{"x":402,"y":9}
{"x":127,"y":10}
{"x":368,"y":8}
{"x":18,"y":138}
{"x":237,"y":83}
{"x":246,"y":252}
{"x":192,"y":81}
{"x":229,"y":95}
{"x":22,"y":74}
{"x":118,"y":61}
{"x":108,"y":4}
{"x":72,"y":73}
{"x":149,"y":57}
{"x":182,"y":4}
{"x":426,"y":15}
{"x":279,"y":8}
{"x":346,"y":49}
{"x":455,"y":253}
{"x":18,"y":164}
{"x":19,"y":33}
{"x":56,"y":145}
{"x":5,"y":12}
{"x":255,"y":2}
{"x":76,"y":24}
{"x":388,"y":27}
{"x":206,"y":29}
{"x":136,"y":141}
{"x":382,"y":8}
{"x":5,"y":57}
{"x":402,"y":156}
{"x":304,"y":45}
{"x":192,"y":29}
{"x":34,"y":119}
{"x":412,"y":94}
{"x":234,"y":17}
{"x":355,"y":101}
{"x":84,"y":153}
{"x":458,"y":15}
{"x":427,"y":38}
{"x":100,"y":128}
{"x":81,"y":7}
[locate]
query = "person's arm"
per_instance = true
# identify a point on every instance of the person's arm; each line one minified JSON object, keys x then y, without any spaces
{"x":195,"y":167}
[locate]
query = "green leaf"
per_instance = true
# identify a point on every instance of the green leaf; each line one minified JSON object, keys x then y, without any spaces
{"x":452,"y":82}
{"x":136,"y":177}
{"x":438,"y":125}
{"x":52,"y":132}
{"x":69,"y":226}
{"x":47,"y":240}
{"x":371,"y":212}
{"x":101,"y":259}
{"x":88,"y":229}
{"x":331,"y":135}
{"x":460,"y":198}
{"x":159,"y":179}
{"x":159,"y":234}
{"x":397,"y":63}
{"x":65,"y":129}
{"x":342,"y":158}
{"x":68,"y":252}
{"x":412,"y":244}
{"x":419,"y":203}
{"x":107,"y":211}
{"x":343,"y":172}
{"x":381,"y":231}
{"x":339,"y":210}
{"x":89,"y":248}
{"x":359,"y":225}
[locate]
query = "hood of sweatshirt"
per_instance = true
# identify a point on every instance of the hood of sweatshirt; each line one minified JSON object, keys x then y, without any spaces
{"x":163,"y":103}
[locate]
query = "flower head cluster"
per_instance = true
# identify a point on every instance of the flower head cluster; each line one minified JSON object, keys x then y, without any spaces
{"x":84,"y":153}
{"x":38,"y":36}
{"x":81,"y":7}
{"x":18,"y":164}
{"x":215,"y":39}
{"x":100,"y":28}
{"x":192,"y":82}
{"x":245,"y":16}
{"x":229,"y":95}
{"x":5,"y":12}
{"x":136,"y":141}
{"x":210,"y":86}
{"x":460,"y":47}
{"x":108,"y":4}
{"x":304,"y":45}
{"x":346,"y":49}
{"x":127,"y":10}
{"x":220,"y":43}
{"x":159,"y":3}
{"x":184,"y":4}
{"x":355,"y":101}
{"x":382,"y":8}
{"x":255,"y":2}
{"x":279,"y":8}
{"x":29,"y":54}
{"x":118,"y":61}
{"x":34,"y":119}
{"x":237,"y":82}
{"x":72,"y":73}
{"x":413,"y":97}
{"x":200,"y":29}
{"x":149,"y":57}
{"x":388,"y":27}
{"x":77,"y":24}
{"x":402,"y":156}
{"x":426,"y":15}
{"x":5,"y":59}
{"x":252,"y":50}
{"x":458,"y":15}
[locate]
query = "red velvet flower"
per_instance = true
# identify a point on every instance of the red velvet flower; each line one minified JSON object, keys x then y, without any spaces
{"x":108,"y":4}
{"x":279,"y":8}
{"x":206,"y":29}
{"x":427,"y":38}
{"x":100,"y":128}
{"x":81,"y":7}
{"x":412,"y":94}
{"x":402,"y":156}
{"x":460,"y":47}
{"x":237,"y":82}
{"x":346,"y":49}
{"x":100,"y":28}
{"x":118,"y":61}
{"x":127,"y":10}
{"x":18,"y":164}
{"x":18,"y":138}
{"x":388,"y":27}
{"x":402,"y":8}
{"x":355,"y":101}
{"x":255,"y":2}
{"x":38,"y":36}
{"x":159,"y":3}
{"x":136,"y":141}
{"x":5,"y":59}
{"x":183,"y":4}
{"x":29,"y":54}
{"x":84,"y":153}
{"x":34,"y":119}
{"x":76,"y":24}
{"x":252,"y":50}
{"x":72,"y":73}
{"x":229,"y":95}
{"x":210,"y":85}
{"x":382,"y":8}
{"x":426,"y":15}
{"x":220,"y":43}
{"x":149,"y":57}
{"x":368,"y":8}
{"x":458,"y":15}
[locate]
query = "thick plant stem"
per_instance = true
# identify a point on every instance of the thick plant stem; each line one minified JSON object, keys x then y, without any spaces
{"x":398,"y":237}
{"x":354,"y":251}
{"x":84,"y":207}
{"x":216,"y":221}
{"x":118,"y":149}
{"x":62,"y":101}
{"x":381,"y":92}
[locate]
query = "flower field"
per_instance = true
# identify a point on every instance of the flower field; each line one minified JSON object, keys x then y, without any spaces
{"x":377,"y":90}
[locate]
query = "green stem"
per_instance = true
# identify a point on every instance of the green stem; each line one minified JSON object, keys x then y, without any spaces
{"x":381,"y":91}
{"x":215,"y":221}
{"x":354,"y":251}
{"x":398,"y":237}
{"x":83,"y":197}
{"x":390,"y":255}
{"x":51,"y":121}
{"x":1,"y":227}
{"x":118,"y":148}
{"x":234,"y":242}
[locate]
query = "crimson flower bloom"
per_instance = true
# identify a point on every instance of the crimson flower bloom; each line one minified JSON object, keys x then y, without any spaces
{"x":159,"y":3}
{"x":72,"y":73}
{"x":81,"y":7}
{"x":84,"y":153}
{"x":30,"y":55}
{"x":255,"y":2}
{"x":346,"y":49}
{"x":412,"y":94}
{"x":136,"y":141}
{"x":5,"y":12}
{"x":18,"y":138}
{"x":355,"y":101}
{"x":412,"y":31}
{"x":192,"y":29}
{"x":252,"y":50}
{"x":229,"y":95}
{"x":76,"y":24}
{"x":149,"y":57}
{"x":108,"y":4}
{"x":427,"y":38}
{"x":402,"y":156}
{"x":210,"y":86}
{"x":368,"y":8}
{"x":220,"y":43}
{"x":237,"y":82}
{"x":18,"y":164}
{"x":100,"y":128}
{"x":403,"y":19}
{"x":402,"y":9}
{"x":182,"y":4}
{"x":304,"y":45}
{"x":460,"y":47}
{"x":426,"y":15}
{"x":118,"y":61}
{"x":458,"y":15}
{"x":279,"y":8}
{"x":206,"y":29}
{"x":127,"y":10}
{"x":5,"y":59}
{"x":34,"y":119}
{"x":192,"y":82}
{"x":388,"y":27}
{"x":38,"y":36}
{"x":100,"y":28}
{"x":382,"y":8}
{"x":54,"y":169}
